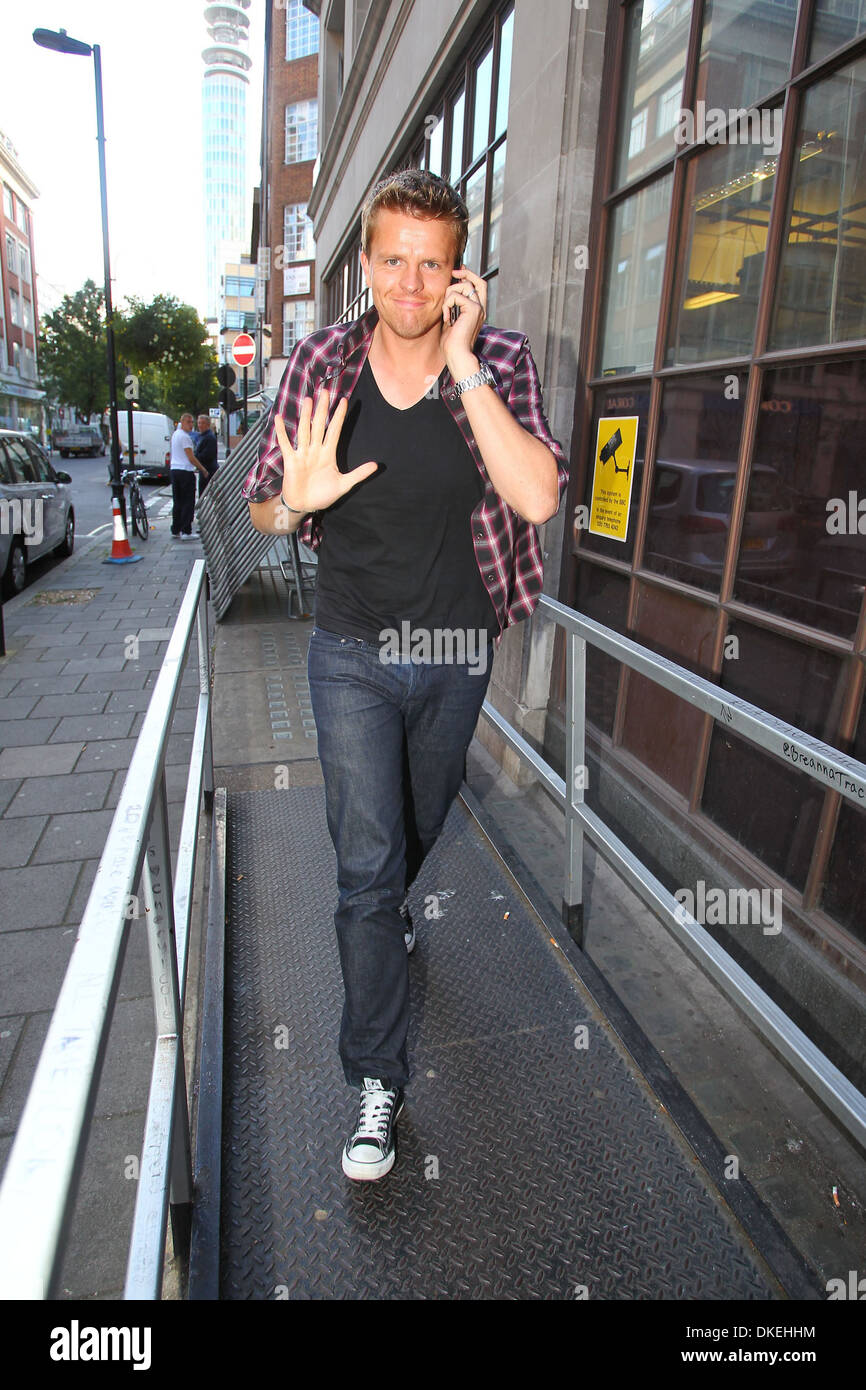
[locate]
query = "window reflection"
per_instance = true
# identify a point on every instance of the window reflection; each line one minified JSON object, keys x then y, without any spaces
{"x":636,"y":258}
{"x":475,"y":205}
{"x":504,"y":80}
{"x":745,"y":50}
{"x":727,"y":207}
{"x":693,"y":478}
{"x":810,"y":433}
{"x":779,"y":818}
{"x":496,"y":194}
{"x":481,"y":124}
{"x":652,"y":87}
{"x":821,"y":294}
{"x":835,"y":22}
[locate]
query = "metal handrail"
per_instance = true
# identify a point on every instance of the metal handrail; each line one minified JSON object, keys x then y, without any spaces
{"x":40,"y":1184}
{"x":818,"y":760}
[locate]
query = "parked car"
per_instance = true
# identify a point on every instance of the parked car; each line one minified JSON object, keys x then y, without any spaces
{"x":151,"y":441}
{"x":690,"y":516}
{"x":36,"y":511}
{"x":78,"y":440}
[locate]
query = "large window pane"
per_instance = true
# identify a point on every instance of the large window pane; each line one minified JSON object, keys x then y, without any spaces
{"x":496,"y":194}
{"x":504,"y":80}
{"x":778,"y":820}
{"x":434,"y":154}
{"x":475,"y":204}
{"x":483,"y":87}
{"x":601,"y":595}
{"x":821,"y":294}
{"x":660,"y":728}
{"x":693,"y":478}
{"x":726,"y":210}
{"x":655,"y":56}
{"x":745,"y":50}
{"x":835,"y":22}
{"x":637,"y":243}
{"x":457,"y":119}
{"x":802,"y":554}
{"x":845,"y":886}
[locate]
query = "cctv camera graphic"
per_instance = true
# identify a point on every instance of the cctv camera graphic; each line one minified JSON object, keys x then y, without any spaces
{"x":609,"y":452}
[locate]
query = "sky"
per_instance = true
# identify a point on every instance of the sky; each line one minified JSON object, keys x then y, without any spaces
{"x":152,"y":74}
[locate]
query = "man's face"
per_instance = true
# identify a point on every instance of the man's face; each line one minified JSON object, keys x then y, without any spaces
{"x":186,"y":423}
{"x":203,"y":423}
{"x":409,"y":270}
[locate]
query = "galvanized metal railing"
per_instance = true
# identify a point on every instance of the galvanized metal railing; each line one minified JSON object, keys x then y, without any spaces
{"x":818,"y":760}
{"x":41,"y":1181}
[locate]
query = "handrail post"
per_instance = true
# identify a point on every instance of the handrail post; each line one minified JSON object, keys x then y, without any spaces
{"x":203,"y":633}
{"x":575,"y":766}
{"x":169,"y":1073}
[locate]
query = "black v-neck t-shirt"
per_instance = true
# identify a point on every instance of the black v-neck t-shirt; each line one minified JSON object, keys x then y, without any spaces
{"x":398,"y":547}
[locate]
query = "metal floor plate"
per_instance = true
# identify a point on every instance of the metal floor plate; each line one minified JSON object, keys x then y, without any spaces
{"x":528,"y":1165}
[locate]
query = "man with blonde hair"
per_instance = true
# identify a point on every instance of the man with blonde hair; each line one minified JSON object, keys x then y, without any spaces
{"x":419,"y":472}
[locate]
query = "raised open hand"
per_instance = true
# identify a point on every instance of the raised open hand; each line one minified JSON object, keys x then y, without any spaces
{"x":311,"y":479}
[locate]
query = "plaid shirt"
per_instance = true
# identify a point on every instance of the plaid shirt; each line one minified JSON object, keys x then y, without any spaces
{"x":507,"y":548}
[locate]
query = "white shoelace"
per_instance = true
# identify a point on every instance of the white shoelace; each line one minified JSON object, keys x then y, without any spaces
{"x":376,"y":1107}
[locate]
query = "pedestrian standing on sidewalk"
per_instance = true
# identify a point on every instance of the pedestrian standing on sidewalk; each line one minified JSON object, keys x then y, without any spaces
{"x":206,"y":452}
{"x":184,"y":466}
{"x":422,"y":496}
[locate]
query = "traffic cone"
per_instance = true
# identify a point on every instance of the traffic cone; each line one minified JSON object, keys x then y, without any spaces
{"x":121,"y":551}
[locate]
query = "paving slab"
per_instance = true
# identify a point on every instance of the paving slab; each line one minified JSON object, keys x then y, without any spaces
{"x":18,"y":706}
{"x":106,"y":754}
{"x":11,"y":1028}
{"x":74,"y":837}
{"x":23,"y":733}
{"x":8,"y":789}
{"x":86,"y":702}
{"x":18,"y":839}
{"x":25,"y":989}
{"x":89,"y":728}
{"x":39,"y":760}
{"x":78,"y":791}
{"x":47,"y":685}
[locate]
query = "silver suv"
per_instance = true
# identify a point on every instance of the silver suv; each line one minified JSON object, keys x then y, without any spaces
{"x":36,"y":511}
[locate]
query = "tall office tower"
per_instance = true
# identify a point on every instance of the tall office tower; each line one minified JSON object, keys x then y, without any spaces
{"x":224,"y":137}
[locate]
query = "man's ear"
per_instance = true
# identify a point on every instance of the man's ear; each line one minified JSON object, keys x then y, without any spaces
{"x":365,"y":266}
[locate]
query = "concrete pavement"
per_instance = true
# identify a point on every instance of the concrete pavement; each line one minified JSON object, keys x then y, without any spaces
{"x":84,"y":646}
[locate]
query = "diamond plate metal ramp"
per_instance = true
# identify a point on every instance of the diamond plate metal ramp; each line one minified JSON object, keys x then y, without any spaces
{"x":529,"y":1165}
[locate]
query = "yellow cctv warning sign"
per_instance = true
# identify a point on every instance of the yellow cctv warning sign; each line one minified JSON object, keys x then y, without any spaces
{"x":613,"y":474}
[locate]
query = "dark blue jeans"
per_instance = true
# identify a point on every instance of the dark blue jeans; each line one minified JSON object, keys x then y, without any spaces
{"x":392,"y":742}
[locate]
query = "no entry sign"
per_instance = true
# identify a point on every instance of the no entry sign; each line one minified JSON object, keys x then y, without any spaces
{"x":243,"y":349}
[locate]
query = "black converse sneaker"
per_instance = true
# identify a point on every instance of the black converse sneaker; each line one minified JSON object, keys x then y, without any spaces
{"x":409,"y":933}
{"x":369,"y":1153}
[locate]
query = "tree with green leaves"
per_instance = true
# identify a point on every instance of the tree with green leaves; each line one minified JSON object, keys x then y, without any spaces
{"x":72,"y":351}
{"x":166,"y":345}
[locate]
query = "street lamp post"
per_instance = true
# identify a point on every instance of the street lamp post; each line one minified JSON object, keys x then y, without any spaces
{"x":60,"y":42}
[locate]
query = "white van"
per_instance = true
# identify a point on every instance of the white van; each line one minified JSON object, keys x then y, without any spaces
{"x":151,"y":439}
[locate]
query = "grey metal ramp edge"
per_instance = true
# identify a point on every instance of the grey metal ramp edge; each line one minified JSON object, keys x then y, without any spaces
{"x":204,"y":1248}
{"x":796,"y":1275}
{"x":525,"y":1169}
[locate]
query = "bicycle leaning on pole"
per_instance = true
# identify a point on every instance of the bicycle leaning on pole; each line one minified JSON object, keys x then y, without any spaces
{"x":137,"y":509}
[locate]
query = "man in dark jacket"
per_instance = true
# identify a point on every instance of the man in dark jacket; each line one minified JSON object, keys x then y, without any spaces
{"x":206,"y":452}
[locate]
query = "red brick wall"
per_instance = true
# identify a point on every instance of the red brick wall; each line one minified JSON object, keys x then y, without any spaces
{"x":289,"y":183}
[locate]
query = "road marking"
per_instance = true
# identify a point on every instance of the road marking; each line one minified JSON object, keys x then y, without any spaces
{"x":106,"y":527}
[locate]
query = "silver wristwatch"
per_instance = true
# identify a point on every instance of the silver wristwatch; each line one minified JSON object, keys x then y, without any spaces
{"x":484,"y":377}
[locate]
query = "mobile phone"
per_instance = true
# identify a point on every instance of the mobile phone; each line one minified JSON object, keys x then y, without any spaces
{"x":454,"y":314}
